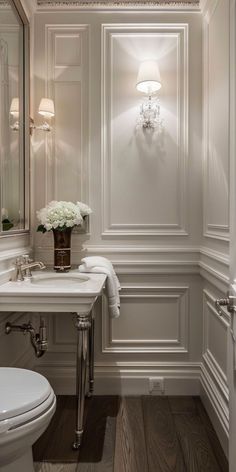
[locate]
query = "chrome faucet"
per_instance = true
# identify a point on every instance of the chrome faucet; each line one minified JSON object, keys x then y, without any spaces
{"x":23,"y":267}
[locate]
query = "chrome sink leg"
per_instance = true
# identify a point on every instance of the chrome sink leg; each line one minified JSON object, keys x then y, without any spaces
{"x":83,"y":324}
{"x":91,"y":355}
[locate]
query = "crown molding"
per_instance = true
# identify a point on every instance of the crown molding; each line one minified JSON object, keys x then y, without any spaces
{"x":29,"y":6}
{"x":120,"y":4}
{"x":203,"y":5}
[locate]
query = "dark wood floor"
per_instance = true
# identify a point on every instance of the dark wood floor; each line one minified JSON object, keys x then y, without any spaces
{"x":132,"y":434}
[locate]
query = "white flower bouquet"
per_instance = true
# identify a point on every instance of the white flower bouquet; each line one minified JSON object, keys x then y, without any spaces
{"x":62,"y":215}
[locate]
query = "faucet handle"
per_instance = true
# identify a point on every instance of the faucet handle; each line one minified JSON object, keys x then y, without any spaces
{"x":17,"y":276}
{"x":19,"y":261}
{"x":26,"y":259}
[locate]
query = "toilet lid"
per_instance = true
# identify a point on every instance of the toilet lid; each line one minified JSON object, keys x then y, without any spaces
{"x":21,"y":390}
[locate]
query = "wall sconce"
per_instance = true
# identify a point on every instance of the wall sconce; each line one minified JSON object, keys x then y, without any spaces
{"x":14,"y":111}
{"x":149,"y":82}
{"x":46,"y":109}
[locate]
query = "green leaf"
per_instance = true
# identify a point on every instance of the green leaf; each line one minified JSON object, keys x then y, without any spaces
{"x":41,"y":229}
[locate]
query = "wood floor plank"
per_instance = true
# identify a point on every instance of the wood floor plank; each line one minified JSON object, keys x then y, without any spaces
{"x":55,"y":444}
{"x":132,"y":434}
{"x":182,"y":404}
{"x":214,"y":441}
{"x":195,"y":444}
{"x":130,"y":451}
{"x":98,"y":446}
{"x":163,"y":448}
{"x":53,"y":467}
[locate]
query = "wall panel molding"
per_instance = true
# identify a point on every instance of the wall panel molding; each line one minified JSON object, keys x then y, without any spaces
{"x":15,"y":349}
{"x":216,"y":229}
{"x":173,"y":297}
{"x":218,"y":403}
{"x":215,"y":391}
{"x":214,"y":267}
{"x":155,"y":260}
{"x":11,"y":249}
{"x":224,"y":318}
{"x":109,"y":34}
{"x":215,"y":330}
{"x":216,"y":372}
{"x":67,"y":77}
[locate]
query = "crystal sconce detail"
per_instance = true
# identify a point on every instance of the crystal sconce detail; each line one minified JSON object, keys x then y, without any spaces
{"x":148,"y":83}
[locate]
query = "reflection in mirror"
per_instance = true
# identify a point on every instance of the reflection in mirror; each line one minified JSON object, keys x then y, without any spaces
{"x":11,"y":119}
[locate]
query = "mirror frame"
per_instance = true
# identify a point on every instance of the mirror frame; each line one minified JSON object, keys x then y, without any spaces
{"x":19,"y":10}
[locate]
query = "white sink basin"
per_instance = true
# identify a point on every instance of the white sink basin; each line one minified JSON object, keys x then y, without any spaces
{"x":60,"y":280}
{"x":49,"y":291}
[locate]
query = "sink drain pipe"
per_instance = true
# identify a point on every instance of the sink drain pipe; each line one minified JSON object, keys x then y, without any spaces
{"x":38,"y":340}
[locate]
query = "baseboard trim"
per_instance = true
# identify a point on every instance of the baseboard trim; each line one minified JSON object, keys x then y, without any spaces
{"x":216,"y":405}
{"x":179,"y":380}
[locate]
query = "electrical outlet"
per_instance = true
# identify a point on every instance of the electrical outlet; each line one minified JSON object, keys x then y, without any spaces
{"x":156,"y":385}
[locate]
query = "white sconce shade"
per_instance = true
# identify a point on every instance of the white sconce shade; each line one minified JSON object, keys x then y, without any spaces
{"x":46,"y":107}
{"x":148,"y":80}
{"x":14,"y":108}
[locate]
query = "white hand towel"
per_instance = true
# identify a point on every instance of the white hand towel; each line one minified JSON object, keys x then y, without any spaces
{"x":101,"y":265}
{"x":100,"y":261}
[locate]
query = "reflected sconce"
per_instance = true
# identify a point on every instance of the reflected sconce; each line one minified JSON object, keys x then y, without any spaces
{"x":148,"y":83}
{"x":14,"y":111}
{"x":47,"y":110}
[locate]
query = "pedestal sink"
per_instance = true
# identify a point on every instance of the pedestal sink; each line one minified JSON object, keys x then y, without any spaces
{"x":59,"y":293}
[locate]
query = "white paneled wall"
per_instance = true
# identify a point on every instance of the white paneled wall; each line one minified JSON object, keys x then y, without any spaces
{"x":214,"y":256}
{"x":152,"y":168}
{"x":145,"y":191}
{"x":216,"y":121}
{"x":163,"y":328}
{"x":159,"y":215}
{"x":15,"y":349}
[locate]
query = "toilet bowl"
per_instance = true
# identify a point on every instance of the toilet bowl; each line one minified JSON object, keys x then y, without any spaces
{"x":27,"y":404}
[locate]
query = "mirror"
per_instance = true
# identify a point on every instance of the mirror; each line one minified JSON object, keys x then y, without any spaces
{"x":14,"y":122}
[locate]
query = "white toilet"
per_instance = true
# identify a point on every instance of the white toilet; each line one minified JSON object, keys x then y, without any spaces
{"x":27,"y":404}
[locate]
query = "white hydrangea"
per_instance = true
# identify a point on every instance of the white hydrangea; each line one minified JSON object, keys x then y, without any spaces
{"x":84,"y":209}
{"x":5,"y":212}
{"x":62,"y":215}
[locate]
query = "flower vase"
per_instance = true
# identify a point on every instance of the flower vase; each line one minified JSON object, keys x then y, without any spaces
{"x":62,"y":249}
